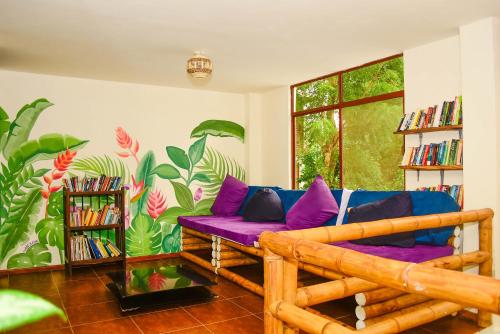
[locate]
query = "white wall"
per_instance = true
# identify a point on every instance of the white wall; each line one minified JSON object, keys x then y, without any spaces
{"x":432,"y":75}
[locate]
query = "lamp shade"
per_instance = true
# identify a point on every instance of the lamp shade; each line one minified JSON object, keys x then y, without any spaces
{"x":199,"y":66}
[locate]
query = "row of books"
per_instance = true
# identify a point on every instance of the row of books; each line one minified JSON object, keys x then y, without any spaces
{"x":441,"y":154}
{"x":450,"y":113}
{"x":455,"y":191}
{"x":84,"y":248}
{"x":102,"y":183}
{"x":108,"y":215}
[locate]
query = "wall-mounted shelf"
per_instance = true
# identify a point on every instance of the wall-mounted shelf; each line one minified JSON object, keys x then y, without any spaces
{"x":434,"y":129}
{"x":436,"y":168}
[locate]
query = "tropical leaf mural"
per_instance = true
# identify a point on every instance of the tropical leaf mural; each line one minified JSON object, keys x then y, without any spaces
{"x":143,"y":237}
{"x":94,"y":166}
{"x":37,"y":255}
{"x":216,"y":166}
{"x":219,"y":128}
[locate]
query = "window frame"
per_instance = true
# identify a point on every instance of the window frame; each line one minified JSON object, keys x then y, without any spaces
{"x":338,"y":106}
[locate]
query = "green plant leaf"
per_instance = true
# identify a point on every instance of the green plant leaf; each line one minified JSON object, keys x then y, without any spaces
{"x":170,"y":215}
{"x":216,"y":166}
{"x":169,"y":271}
{"x":219,"y":128}
{"x":166,"y":171}
{"x":55,"y":207}
{"x":143,"y":172}
{"x":15,"y":227}
{"x":94,"y":166}
{"x":182,"y":282}
{"x":202,"y":208}
{"x":4,"y":128}
{"x":178,"y":157}
{"x":200,"y":177}
{"x":196,"y":150}
{"x":45,"y":147}
{"x":51,"y":232}
{"x":171,"y":243}
{"x":20,"y":128}
{"x":36,"y":256}
{"x":143,"y":236}
{"x":18,"y":308}
{"x":183,"y":196}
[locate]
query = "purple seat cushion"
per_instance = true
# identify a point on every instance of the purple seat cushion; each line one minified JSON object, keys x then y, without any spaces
{"x":231,"y":228}
{"x":417,"y":254}
{"x":230,"y":197}
{"x":314,"y":208}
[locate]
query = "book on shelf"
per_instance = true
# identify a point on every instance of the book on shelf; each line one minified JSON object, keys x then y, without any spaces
{"x":107,"y":215}
{"x":449,"y":113}
{"x":455,"y":191}
{"x":101,"y":183}
{"x":85,"y":248}
{"x":446,"y":153}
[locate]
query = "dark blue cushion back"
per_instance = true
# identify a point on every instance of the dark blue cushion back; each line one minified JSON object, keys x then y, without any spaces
{"x":251,"y":191}
{"x":424,"y":203}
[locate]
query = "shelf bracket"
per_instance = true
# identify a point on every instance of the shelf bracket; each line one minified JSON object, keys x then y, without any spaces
{"x":441,"y":172}
{"x":418,"y":175}
{"x":460,"y":134}
{"x":420,"y":136}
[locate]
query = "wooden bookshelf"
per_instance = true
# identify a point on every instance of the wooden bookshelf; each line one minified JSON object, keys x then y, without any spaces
{"x":96,"y":200}
{"x":433,"y":129}
{"x":436,"y":168}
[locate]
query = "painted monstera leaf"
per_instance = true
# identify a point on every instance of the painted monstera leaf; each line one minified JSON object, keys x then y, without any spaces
{"x":19,"y":308}
{"x":144,"y":172}
{"x":171,"y":243}
{"x":143,"y":236}
{"x":15,"y":227}
{"x":219,"y":128}
{"x":21,"y":127}
{"x":37,"y":255}
{"x":43,"y":148}
{"x":51,"y":232}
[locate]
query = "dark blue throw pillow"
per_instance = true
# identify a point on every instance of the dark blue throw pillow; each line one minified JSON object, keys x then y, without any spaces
{"x":393,"y":207}
{"x":264,"y":206}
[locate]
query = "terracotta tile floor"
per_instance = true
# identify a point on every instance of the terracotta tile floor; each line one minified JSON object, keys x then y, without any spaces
{"x":91,"y":308}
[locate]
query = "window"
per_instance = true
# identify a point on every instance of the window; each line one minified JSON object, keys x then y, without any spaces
{"x":342,"y":126}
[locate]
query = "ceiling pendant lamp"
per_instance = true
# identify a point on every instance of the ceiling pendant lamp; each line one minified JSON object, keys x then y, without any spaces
{"x":199,"y":66}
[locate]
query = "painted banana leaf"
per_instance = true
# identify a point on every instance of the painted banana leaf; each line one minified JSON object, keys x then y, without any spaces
{"x":4,"y":127}
{"x":144,"y":172}
{"x":15,"y":227}
{"x":43,"y":148}
{"x":37,"y":255}
{"x":18,"y":308}
{"x":219,"y":128}
{"x":143,"y":236}
{"x":20,"y":129}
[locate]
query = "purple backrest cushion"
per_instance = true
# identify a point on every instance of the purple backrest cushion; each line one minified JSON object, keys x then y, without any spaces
{"x":230,"y":197}
{"x":314,"y":208}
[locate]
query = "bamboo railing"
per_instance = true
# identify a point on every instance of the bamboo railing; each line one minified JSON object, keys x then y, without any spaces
{"x":420,"y":292}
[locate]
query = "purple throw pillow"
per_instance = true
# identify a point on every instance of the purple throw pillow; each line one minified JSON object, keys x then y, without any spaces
{"x":314,"y":208}
{"x":230,"y":197}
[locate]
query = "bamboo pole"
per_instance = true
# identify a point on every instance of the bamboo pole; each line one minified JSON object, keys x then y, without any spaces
{"x":235,"y":262}
{"x":247,"y":249}
{"x":448,"y":262}
{"x":242,"y":281}
{"x":475,"y":291}
{"x":290,"y":277}
{"x":485,"y":268}
{"x":197,"y":260}
{"x":329,"y":234}
{"x":374,"y":310}
{"x":195,"y":233}
{"x":273,"y":291}
{"x":193,"y":240}
{"x":326,"y":273}
{"x":306,"y":321}
{"x":228,"y":255}
{"x":196,"y":247}
{"x":409,"y":318}
{"x":220,"y":248}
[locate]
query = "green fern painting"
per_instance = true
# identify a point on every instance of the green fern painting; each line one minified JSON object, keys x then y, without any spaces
{"x":32,"y":170}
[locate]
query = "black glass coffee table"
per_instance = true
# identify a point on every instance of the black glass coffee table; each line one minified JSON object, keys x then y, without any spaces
{"x":160,"y":285}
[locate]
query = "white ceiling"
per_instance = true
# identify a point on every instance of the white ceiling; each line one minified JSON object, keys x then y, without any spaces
{"x":255,"y":45}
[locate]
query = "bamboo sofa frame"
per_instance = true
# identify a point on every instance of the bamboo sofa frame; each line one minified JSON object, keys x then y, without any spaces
{"x":397,"y":295}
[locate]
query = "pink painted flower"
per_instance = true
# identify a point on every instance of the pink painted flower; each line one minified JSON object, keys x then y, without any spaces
{"x":137,"y":190}
{"x":197,"y":195}
{"x":156,"y":204}
{"x":122,"y":138}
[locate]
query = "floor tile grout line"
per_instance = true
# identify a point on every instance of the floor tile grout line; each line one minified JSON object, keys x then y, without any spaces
{"x":62,"y":302}
{"x":136,"y":325}
{"x":192,"y":316}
